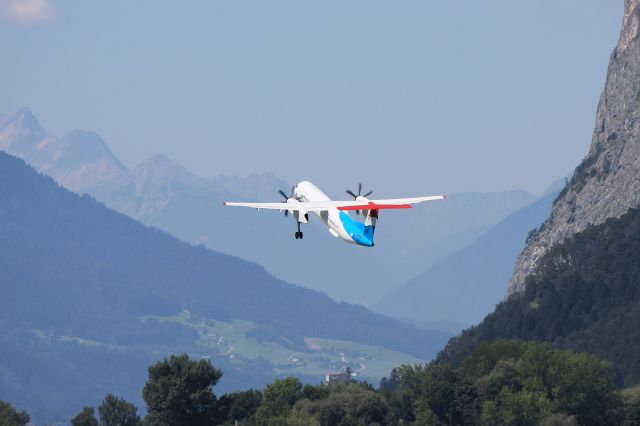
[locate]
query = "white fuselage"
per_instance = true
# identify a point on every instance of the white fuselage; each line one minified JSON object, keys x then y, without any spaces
{"x":339,"y":222}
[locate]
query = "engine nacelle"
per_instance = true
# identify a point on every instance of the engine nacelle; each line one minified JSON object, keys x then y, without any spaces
{"x":301,"y":215}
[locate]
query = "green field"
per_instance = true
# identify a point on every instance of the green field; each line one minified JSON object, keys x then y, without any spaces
{"x":230,"y":339}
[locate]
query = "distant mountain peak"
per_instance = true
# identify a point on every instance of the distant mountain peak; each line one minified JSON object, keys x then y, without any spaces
{"x":161,"y":166}
{"x":151,"y":185}
{"x":26,"y":113}
{"x":25,"y":118}
{"x":20,"y":133}
{"x":256,"y":186}
{"x":160,"y":160}
{"x":88,"y":141}
{"x":78,"y":160}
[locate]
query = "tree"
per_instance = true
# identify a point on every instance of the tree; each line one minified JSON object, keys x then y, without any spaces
{"x":238,"y":405}
{"x":346,"y":404}
{"x":391,"y":383}
{"x":9,"y":416}
{"x":115,"y":411}
{"x":85,"y":418}
{"x":631,"y":399}
{"x":437,"y":388}
{"x":516,"y":408}
{"x":179,"y":391}
{"x":278,"y":398}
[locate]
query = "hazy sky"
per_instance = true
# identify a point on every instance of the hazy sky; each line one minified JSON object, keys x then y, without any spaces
{"x":407,"y":96}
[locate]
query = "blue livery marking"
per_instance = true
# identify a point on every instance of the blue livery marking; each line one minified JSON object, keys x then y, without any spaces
{"x":359,"y":232}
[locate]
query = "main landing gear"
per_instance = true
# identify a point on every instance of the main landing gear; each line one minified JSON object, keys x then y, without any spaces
{"x":299,"y":233}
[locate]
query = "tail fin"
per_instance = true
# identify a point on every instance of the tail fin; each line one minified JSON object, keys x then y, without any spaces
{"x":370,"y":223}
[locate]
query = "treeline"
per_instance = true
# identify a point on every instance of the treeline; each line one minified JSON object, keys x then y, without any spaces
{"x":506,"y":382}
{"x":585,"y":296}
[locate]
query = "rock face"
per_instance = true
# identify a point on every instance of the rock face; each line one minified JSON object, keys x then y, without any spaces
{"x":607,"y":182}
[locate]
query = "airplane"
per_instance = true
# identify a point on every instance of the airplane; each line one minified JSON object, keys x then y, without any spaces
{"x":306,"y":197}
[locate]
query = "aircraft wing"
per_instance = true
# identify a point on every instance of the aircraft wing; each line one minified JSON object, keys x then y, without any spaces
{"x":389,"y":204}
{"x":310,"y":206}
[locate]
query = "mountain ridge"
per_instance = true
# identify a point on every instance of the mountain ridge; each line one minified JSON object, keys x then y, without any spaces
{"x":606,"y":183}
{"x":164,"y":194}
{"x":585,"y":297}
{"x":97,"y":295}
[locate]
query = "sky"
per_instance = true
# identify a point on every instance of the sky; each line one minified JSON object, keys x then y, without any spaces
{"x":410,"y":97}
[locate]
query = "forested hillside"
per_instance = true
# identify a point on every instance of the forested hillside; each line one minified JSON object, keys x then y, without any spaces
{"x":89,"y":294}
{"x":585,"y":296}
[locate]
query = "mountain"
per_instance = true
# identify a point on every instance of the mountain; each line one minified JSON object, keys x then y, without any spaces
{"x":154,"y":186}
{"x":90,"y":297}
{"x":78,"y":160}
{"x":466,"y":285}
{"x":20,"y":134}
{"x":606,"y":183}
{"x":576,"y":282}
{"x":161,"y":193}
{"x":584,"y":296}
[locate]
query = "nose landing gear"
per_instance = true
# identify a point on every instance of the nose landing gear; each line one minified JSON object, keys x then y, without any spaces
{"x":299,"y":233}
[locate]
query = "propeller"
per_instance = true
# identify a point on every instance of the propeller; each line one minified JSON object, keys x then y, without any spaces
{"x":355,"y":197}
{"x":281,"y":192}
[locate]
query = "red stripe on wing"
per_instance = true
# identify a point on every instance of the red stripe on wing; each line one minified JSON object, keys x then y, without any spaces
{"x":374,"y":206}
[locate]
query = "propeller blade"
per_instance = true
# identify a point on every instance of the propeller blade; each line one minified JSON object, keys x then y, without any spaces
{"x":359,"y":188}
{"x":281,"y":192}
{"x":351,"y":193}
{"x":368,"y":193}
{"x":286,"y":213}
{"x":293,"y":190}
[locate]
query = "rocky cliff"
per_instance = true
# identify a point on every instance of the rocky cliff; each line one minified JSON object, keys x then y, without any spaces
{"x":607,"y":182}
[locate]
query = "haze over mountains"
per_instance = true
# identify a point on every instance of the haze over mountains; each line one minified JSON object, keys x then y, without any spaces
{"x":162,"y":193}
{"x":90,"y":297}
{"x":466,"y":285}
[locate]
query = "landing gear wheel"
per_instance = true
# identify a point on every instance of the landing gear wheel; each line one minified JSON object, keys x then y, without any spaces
{"x":301,"y":235}
{"x":297,"y":235}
